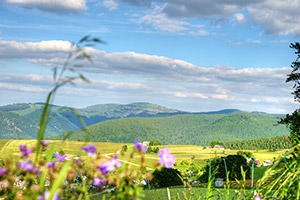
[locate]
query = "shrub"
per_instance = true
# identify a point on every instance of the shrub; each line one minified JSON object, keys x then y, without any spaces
{"x":247,"y":154}
{"x":166,"y":177}
{"x":233,"y":165}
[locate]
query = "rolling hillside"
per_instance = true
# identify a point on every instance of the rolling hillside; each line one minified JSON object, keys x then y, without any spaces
{"x":27,"y":116}
{"x":193,"y":129}
{"x":143,"y":121}
{"x":13,"y":126}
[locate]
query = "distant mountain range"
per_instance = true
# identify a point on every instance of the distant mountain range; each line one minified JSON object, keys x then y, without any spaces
{"x":143,"y":121}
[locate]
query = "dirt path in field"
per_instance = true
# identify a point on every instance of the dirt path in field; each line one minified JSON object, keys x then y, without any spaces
{"x":108,"y":155}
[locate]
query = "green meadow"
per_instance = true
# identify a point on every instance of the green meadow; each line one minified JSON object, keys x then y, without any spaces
{"x":182,"y":152}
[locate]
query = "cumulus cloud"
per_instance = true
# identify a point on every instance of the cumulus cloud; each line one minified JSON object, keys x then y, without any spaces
{"x":21,"y":88}
{"x":154,"y":77}
{"x":56,"y":6}
{"x":110,"y":4}
{"x":249,"y":41}
{"x":151,"y":66}
{"x":278,"y":17}
{"x":14,"y":49}
{"x":240,"y":18}
{"x":275,"y":17}
{"x":204,"y":8}
{"x":161,"y":21}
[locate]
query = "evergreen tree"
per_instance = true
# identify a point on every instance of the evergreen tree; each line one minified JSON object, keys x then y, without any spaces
{"x":293,"y":121}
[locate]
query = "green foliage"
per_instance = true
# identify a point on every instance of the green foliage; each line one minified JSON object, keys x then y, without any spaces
{"x":13,"y":126}
{"x":171,"y":127}
{"x":246,"y":154}
{"x":152,"y":149}
{"x":286,"y":184}
{"x":188,"y":129}
{"x":26,"y":117}
{"x":124,"y":148}
{"x":166,"y":177}
{"x":293,"y":121}
{"x":277,"y":142}
{"x":15,"y":107}
{"x":233,"y":166}
{"x":214,"y":143}
{"x":154,"y":143}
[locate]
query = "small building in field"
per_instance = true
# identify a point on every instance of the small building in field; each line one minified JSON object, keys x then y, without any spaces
{"x":146,"y":143}
{"x":267,"y":162}
{"x":219,"y":147}
{"x":258,"y":162}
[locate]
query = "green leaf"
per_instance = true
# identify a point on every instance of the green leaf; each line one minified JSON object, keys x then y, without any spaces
{"x":59,"y":180}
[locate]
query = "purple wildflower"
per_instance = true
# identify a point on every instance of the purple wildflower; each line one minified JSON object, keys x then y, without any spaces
{"x":24,"y":150}
{"x":166,"y":158}
{"x":36,"y":170}
{"x":23,"y":147}
{"x":2,"y":171}
{"x":110,"y":165}
{"x":25,"y":165}
{"x":59,"y":157}
{"x":138,"y":146}
{"x":51,"y":164}
{"x":254,"y":193}
{"x":90,"y":149}
{"x":45,"y":143}
{"x":98,"y":181}
{"x":47,"y":194}
{"x":257,"y":198}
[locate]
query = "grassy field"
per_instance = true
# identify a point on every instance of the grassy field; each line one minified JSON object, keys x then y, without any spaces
{"x":182,"y":152}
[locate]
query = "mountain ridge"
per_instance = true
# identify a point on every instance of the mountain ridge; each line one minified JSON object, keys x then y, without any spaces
{"x":64,"y":120}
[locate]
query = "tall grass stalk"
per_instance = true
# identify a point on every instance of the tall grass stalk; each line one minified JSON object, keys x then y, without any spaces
{"x":209,"y":183}
{"x":77,"y":53}
{"x":286,"y":183}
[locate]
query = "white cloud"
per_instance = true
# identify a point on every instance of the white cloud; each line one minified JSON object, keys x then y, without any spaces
{"x":277,"y":17}
{"x":240,"y":18}
{"x":57,"y":6}
{"x":153,"y":77}
{"x":249,"y":41}
{"x":52,"y":53}
{"x":199,"y":32}
{"x":22,"y":88}
{"x":110,"y":4}
{"x":161,"y":22}
{"x":14,"y":49}
{"x":186,"y":94}
{"x":204,"y":8}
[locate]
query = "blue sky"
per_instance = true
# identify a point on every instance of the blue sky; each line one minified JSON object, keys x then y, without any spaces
{"x":192,"y":55}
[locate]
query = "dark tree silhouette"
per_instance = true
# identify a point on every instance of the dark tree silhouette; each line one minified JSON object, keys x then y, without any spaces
{"x":293,"y":121}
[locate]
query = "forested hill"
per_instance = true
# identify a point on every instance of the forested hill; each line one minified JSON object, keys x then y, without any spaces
{"x":273,"y":143}
{"x":25,"y":117}
{"x":13,"y":126}
{"x":186,"y":129}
